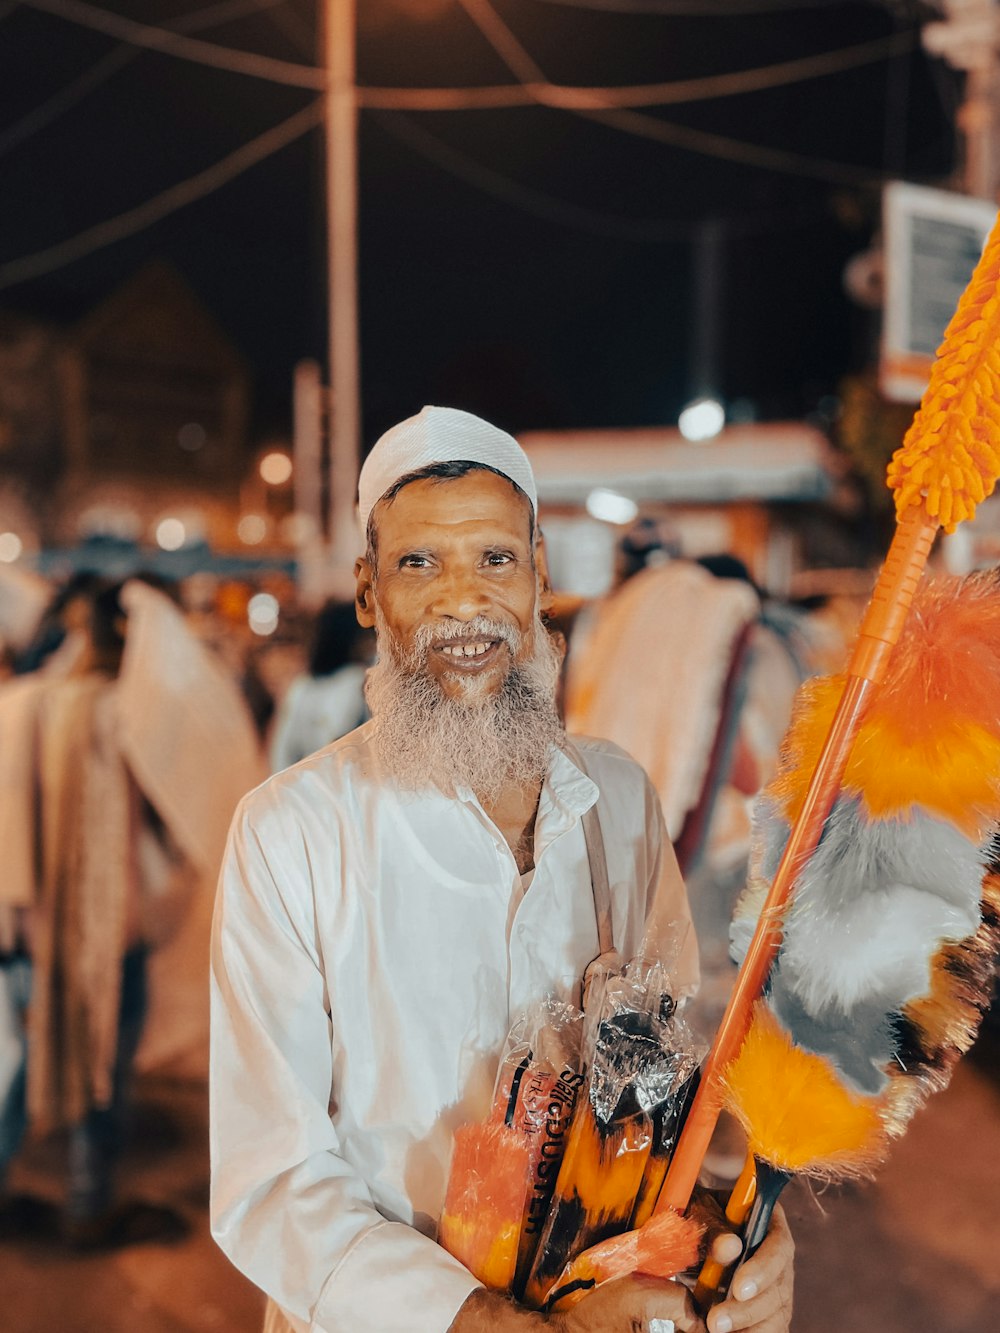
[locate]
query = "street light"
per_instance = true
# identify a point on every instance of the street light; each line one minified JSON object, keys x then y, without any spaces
{"x":702,"y":419}
{"x":611,"y":507}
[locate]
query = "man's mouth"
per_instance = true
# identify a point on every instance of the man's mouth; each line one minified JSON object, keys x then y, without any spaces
{"x":470,"y":654}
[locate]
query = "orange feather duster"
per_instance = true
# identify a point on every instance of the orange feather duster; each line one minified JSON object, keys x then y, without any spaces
{"x":485,"y":1202}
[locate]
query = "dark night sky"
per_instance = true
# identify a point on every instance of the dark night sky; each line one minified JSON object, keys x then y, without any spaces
{"x":491,"y":300}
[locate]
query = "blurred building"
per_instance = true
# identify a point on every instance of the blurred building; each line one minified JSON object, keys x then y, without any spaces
{"x":139,"y":410}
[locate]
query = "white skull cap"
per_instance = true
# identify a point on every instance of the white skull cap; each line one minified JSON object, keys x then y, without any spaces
{"x":440,"y":435}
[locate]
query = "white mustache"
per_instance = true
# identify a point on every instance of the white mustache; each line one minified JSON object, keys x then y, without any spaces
{"x":427,"y":637}
{"x":481,"y":740}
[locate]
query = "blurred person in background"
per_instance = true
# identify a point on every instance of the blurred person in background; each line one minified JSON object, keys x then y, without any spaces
{"x":62,"y":627}
{"x":110,"y":819}
{"x":75,"y":956}
{"x":690,"y":631}
{"x":327,"y":701}
{"x":705,"y":717}
{"x":708,"y":722}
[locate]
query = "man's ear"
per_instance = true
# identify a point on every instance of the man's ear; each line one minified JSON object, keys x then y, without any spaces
{"x":545,"y":594}
{"x":364,"y":593}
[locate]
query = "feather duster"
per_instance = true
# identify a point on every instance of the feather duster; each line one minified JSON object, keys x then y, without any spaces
{"x":503,"y":1169}
{"x":949,"y":460}
{"x":869,"y":758}
{"x":800,"y":1119}
{"x":662,"y":1247}
{"x":481,"y":1220}
{"x":884,"y":962}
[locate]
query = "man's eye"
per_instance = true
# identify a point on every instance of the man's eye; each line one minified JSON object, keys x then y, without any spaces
{"x":414,"y":562}
{"x":499,"y":558}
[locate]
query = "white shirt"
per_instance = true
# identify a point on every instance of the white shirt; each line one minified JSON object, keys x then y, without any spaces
{"x":363,"y":984}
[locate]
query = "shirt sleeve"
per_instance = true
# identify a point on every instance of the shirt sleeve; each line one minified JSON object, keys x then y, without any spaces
{"x":669,"y":932}
{"x":287,"y":1209}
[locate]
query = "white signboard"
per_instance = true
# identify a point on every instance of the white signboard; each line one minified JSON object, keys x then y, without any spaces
{"x":933,"y":239}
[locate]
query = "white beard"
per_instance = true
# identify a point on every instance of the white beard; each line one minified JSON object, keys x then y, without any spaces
{"x":482,"y":740}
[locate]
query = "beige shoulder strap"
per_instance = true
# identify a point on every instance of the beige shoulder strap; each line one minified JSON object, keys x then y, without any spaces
{"x":598,"y":864}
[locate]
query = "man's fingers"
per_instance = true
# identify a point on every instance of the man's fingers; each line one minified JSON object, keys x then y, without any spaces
{"x":760,"y":1297}
{"x":770,"y":1263}
{"x":726,"y":1248}
{"x":732,"y":1315}
{"x":669,"y":1301}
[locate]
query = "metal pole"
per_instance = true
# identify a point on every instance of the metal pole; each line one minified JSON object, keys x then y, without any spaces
{"x":308,"y":452}
{"x":342,"y":282}
{"x":308,"y":480}
{"x":977,"y":119}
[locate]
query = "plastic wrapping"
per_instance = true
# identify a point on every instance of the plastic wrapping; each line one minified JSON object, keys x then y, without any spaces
{"x":504,"y":1171}
{"x":667,"y":1122}
{"x":484,"y":1204}
{"x":639,"y":1056}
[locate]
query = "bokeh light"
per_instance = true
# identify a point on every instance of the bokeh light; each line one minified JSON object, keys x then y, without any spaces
{"x":610,"y":507}
{"x":276,"y":468}
{"x":11,"y":547}
{"x":191,"y":437}
{"x":252,"y":529}
{"x":263,"y":612}
{"x":171,"y":534}
{"x":702,"y":419}
{"x":298,"y":528}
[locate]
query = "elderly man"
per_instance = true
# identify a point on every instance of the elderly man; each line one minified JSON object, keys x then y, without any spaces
{"x":391,"y":903}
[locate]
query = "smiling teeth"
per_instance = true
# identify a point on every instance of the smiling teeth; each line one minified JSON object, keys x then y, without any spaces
{"x":465,"y":649}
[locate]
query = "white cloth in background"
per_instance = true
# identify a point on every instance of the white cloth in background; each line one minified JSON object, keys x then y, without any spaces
{"x":186,"y":729}
{"x":191,"y":744}
{"x":650,"y":669}
{"x":315,"y":711}
{"x":363,"y":986}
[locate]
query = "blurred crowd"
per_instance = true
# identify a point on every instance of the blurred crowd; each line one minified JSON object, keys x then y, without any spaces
{"x":135,"y":713}
{"x":133,"y":716}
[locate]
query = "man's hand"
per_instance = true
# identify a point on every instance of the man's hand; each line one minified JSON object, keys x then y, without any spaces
{"x":760,"y":1297}
{"x":624,"y":1306}
{"x":630,"y":1304}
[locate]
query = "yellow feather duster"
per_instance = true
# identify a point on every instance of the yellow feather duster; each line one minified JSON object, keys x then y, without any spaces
{"x":797,"y":1114}
{"x":950,"y":457}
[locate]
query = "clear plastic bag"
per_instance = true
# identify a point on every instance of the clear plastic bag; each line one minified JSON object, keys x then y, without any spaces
{"x":504,"y":1170}
{"x":639,"y":1056}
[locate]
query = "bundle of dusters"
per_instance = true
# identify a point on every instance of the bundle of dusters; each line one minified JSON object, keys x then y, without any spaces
{"x":553,"y":1194}
{"x":890,"y":941}
{"x":504,"y":1169}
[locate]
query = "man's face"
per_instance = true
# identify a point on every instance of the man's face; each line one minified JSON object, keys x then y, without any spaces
{"x":450,"y":551}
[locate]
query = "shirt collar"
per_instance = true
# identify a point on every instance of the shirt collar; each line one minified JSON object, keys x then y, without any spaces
{"x":568,"y":785}
{"x":567,"y":792}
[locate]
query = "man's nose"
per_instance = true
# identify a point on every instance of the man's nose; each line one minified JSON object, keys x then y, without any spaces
{"x":459,"y":596}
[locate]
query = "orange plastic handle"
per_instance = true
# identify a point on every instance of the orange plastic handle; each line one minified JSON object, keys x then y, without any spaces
{"x":712,"y":1277}
{"x":880,"y":629}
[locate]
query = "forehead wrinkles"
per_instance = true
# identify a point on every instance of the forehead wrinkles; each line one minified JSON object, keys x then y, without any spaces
{"x":430,"y":509}
{"x":480,"y":531}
